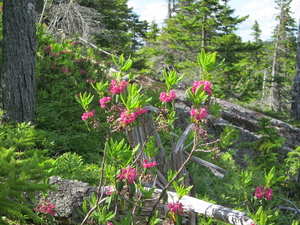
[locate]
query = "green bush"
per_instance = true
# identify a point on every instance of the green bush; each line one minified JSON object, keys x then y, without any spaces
{"x":24,"y":170}
{"x":71,"y":166}
{"x":62,"y":70}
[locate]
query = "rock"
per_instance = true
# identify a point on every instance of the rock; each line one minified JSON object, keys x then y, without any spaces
{"x":68,"y":198}
{"x":242,"y":119}
{"x":246,"y":119}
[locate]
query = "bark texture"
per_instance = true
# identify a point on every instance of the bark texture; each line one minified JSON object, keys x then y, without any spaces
{"x":17,"y":81}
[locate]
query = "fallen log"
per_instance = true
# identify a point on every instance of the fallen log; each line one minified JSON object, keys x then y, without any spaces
{"x":197,"y":206}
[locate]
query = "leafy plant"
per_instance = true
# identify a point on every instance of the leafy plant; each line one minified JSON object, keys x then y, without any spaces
{"x":24,"y":171}
{"x":71,"y":166}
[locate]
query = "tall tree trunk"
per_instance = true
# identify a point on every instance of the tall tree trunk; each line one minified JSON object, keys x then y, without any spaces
{"x":275,"y":101}
{"x":264,"y":85}
{"x":169,"y":9}
{"x":17,"y":80}
{"x":295,"y":108}
{"x":275,"y":98}
{"x":203,"y":32}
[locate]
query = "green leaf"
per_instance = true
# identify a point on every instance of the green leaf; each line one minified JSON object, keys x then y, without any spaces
{"x":127,"y":65}
{"x":121,"y":60}
{"x":114,"y":61}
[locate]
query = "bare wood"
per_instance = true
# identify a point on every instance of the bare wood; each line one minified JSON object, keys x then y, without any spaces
{"x":209,"y":209}
{"x":217,"y":171}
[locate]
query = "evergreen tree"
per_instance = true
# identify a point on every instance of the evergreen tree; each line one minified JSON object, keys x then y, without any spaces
{"x":295,"y":108}
{"x":207,"y":24}
{"x":148,"y":50}
{"x":256,"y":32}
{"x":23,"y":171}
{"x":283,"y":63}
{"x":123,"y":31}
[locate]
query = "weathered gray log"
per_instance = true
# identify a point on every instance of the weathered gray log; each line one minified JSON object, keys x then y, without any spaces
{"x":217,"y":171}
{"x":197,"y":206}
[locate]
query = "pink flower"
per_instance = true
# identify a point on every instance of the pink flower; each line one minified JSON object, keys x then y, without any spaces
{"x":103,"y":101}
{"x":63,"y":52}
{"x":176,"y":207}
{"x":110,"y":223}
{"x":88,"y":114}
{"x":261,"y":192}
{"x":127,"y":117}
{"x":90,"y":81}
{"x":47,"y":48}
{"x":167,"y":97}
{"x":268,"y":193}
{"x":108,"y":190}
{"x":147,"y":164}
{"x":75,"y":42}
{"x":65,"y":69}
{"x":198,"y":114}
{"x":206,"y":86}
{"x":140,"y":111}
{"x":83,"y":72}
{"x":54,"y":54}
{"x":115,"y":88}
{"x":47,"y":207}
{"x":129,"y":174}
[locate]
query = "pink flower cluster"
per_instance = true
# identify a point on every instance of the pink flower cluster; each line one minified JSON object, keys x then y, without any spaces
{"x":206,"y":86}
{"x":47,"y":48}
{"x":54,"y":54}
{"x":103,"y":101}
{"x":129,"y":174}
{"x":108,"y":190}
{"x":63,"y":52}
{"x":88,"y":114}
{"x":115,"y":88}
{"x":261,"y":192}
{"x":167,"y":97}
{"x":90,"y":81}
{"x":198,"y":114}
{"x":129,"y":117}
{"x":47,"y":207}
{"x":176,"y":207}
{"x":65,"y":69}
{"x":148,"y":164}
{"x":83,"y":72}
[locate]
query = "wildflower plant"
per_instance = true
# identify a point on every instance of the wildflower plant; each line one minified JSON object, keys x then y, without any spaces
{"x":126,"y":106}
{"x":46,"y":210}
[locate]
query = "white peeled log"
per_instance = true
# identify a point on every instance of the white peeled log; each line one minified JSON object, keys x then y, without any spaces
{"x":197,"y":206}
